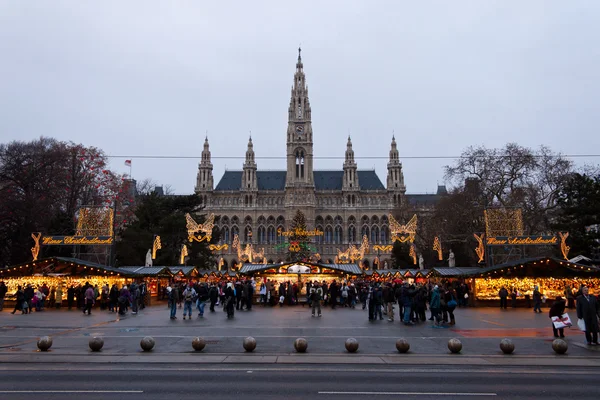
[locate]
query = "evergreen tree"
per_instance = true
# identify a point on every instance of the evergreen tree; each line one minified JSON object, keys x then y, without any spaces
{"x":579,"y":214}
{"x":401,"y":257}
{"x":299,"y":243}
{"x":164,"y":216}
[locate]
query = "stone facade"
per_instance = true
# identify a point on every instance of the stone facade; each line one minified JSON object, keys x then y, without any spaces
{"x":345,"y":204}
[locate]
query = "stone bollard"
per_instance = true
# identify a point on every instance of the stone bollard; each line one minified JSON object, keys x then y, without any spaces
{"x":249,"y":344}
{"x":147,"y":343}
{"x":198,"y":343}
{"x":44,"y":343}
{"x":351,"y":345}
{"x":507,"y":346}
{"x":559,"y":346}
{"x":454,"y":345}
{"x":301,"y":345}
{"x":402,"y":345}
{"x":96,"y":343}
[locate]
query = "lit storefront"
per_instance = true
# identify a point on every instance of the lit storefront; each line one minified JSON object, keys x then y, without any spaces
{"x":61,"y":272}
{"x":300,"y":273}
{"x":551,"y":275}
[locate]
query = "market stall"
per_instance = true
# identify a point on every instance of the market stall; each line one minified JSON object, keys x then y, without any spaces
{"x":61,"y":272}
{"x":551,"y":275}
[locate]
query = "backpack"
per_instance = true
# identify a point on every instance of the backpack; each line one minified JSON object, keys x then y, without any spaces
{"x":188,"y":295}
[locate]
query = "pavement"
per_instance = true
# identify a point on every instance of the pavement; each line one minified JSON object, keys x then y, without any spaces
{"x":275,"y":329}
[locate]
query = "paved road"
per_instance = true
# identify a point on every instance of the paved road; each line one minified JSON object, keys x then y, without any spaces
{"x":294,"y":383}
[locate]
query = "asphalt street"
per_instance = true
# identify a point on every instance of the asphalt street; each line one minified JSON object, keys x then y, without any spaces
{"x":336,"y":382}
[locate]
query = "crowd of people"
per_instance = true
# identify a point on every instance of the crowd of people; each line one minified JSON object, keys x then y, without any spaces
{"x":81,"y":297}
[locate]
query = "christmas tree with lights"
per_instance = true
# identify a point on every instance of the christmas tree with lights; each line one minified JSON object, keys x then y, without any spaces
{"x":299,"y":241}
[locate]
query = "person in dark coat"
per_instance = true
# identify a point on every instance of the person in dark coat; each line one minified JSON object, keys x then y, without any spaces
{"x":70,"y":296}
{"x":229,"y":300}
{"x":503,"y":294}
{"x":557,"y":309}
{"x":20,"y":299}
{"x":213,"y":293}
{"x":588,"y":310}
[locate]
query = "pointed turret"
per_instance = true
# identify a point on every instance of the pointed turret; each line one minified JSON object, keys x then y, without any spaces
{"x":204,"y":179}
{"x":249,"y":176}
{"x":299,"y":132}
{"x":395,"y":178}
{"x":350,"y":177}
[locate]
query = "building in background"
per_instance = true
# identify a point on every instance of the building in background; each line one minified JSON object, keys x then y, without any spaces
{"x":344,"y":204}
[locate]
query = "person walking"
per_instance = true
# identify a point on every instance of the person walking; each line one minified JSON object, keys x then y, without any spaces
{"x":173,"y":294}
{"x":537,"y":300}
{"x":135,"y":297}
{"x":229,"y":300}
{"x":3,"y":290}
{"x":202,"y":299}
{"x":435,"y":305}
{"x":557,"y":310}
{"x":503,"y":294}
{"x":89,"y":300}
{"x":316,"y":294}
{"x":20,"y":303}
{"x":213,"y":294}
{"x":189,"y":296}
{"x":389,"y":299}
{"x":588,"y":310}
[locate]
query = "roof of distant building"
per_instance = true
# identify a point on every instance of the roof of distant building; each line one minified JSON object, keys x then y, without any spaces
{"x":275,"y":180}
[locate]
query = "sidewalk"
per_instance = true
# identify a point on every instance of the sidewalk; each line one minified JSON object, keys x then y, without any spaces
{"x":479,"y":329}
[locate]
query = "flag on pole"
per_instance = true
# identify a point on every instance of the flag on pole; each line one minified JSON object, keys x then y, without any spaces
{"x":128,"y":163}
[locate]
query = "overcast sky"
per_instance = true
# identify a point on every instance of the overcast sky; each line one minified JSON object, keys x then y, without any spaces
{"x":152,"y":77}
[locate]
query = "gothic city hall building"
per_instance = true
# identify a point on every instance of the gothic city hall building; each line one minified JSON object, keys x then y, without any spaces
{"x":344,"y":204}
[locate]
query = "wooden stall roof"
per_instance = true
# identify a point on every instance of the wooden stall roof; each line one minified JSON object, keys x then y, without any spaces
{"x":150,"y":272}
{"x":61,"y":265}
{"x":351,"y":269}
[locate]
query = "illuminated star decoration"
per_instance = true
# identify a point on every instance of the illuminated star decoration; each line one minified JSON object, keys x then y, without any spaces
{"x":480,"y":250}
{"x":413,"y":253}
{"x":403,"y":233}
{"x":194,"y":228}
{"x":184,"y":254}
{"x":35,"y":250}
{"x":563,"y":244}
{"x":437,"y":246}
{"x":157,"y":245}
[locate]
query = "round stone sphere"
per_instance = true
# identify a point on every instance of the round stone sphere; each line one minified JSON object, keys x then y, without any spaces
{"x":559,"y":346}
{"x":147,"y":343}
{"x":96,"y":343}
{"x":198,"y":343}
{"x":454,"y":345}
{"x":301,"y":345}
{"x":402,"y":345}
{"x":44,"y":343}
{"x":351,"y":345}
{"x":249,"y":344}
{"x":507,"y":346}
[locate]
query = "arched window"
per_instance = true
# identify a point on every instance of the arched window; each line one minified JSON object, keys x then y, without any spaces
{"x":328,"y":234}
{"x":337,"y":237}
{"x":351,"y":234}
{"x":225,"y":234}
{"x":234,"y":232}
{"x":374,"y":234}
{"x":364,"y":231}
{"x":271,"y":234}
{"x":319,"y":238}
{"x":384,"y":234}
{"x":248,"y":234}
{"x":280,"y":238}
{"x":262,"y":235}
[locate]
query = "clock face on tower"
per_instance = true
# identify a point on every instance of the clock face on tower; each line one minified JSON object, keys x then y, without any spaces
{"x":299,"y":129}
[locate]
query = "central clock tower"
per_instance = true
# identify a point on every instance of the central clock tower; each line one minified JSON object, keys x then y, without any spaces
{"x":299,"y":133}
